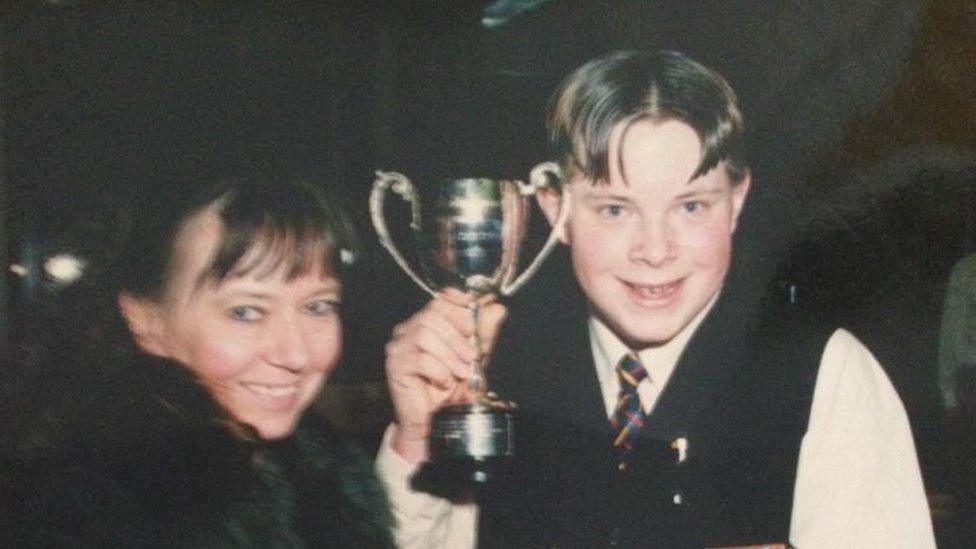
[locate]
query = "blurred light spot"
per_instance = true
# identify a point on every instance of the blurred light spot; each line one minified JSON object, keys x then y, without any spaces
{"x":64,"y":268}
{"x":18,"y":269}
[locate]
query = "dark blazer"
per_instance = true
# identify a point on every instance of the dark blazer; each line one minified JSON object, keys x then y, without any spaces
{"x":740,"y":396}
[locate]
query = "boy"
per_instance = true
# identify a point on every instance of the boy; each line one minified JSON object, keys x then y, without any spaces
{"x":652,"y":411}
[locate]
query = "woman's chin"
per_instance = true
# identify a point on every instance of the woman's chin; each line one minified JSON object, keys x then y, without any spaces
{"x":273,"y":428}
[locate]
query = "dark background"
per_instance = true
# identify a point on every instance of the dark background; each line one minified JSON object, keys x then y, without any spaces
{"x":862,"y":117}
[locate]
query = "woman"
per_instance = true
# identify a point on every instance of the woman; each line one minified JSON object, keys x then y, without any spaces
{"x":191,"y":428}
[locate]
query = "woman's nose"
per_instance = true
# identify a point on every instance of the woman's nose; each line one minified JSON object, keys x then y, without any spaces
{"x":287,"y":347}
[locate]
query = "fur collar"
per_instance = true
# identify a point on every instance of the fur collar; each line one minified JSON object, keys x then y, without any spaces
{"x":134,"y":453}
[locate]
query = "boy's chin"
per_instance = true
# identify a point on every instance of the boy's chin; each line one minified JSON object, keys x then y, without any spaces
{"x":644,"y":341}
{"x":638,"y":335}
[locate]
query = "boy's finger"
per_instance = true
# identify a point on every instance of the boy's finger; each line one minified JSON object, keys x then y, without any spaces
{"x":456,"y":296}
{"x":490,"y":322}
{"x":435,"y":372}
{"x":432,"y":322}
{"x":456,"y":313}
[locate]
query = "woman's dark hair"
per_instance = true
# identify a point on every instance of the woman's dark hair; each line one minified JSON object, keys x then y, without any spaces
{"x":267,"y":224}
{"x":626,"y":87}
{"x":271,"y":223}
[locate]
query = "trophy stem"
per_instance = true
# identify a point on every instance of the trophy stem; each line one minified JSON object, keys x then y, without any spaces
{"x":476,"y":382}
{"x":466,"y":439}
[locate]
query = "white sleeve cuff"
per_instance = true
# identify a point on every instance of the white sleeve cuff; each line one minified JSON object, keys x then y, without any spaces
{"x":422,"y":520}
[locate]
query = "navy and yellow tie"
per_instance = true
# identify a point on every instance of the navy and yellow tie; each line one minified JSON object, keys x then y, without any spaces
{"x":628,"y":417}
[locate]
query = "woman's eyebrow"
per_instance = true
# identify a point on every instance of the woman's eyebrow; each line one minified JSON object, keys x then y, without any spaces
{"x":250,"y":294}
{"x":327,"y":287}
{"x":328,"y":294}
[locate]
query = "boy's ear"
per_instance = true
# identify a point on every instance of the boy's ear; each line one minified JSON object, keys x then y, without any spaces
{"x":141,"y":315}
{"x":549,"y":199}
{"x":740,"y":191}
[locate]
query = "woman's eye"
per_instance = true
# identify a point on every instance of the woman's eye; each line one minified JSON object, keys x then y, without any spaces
{"x":245,"y":313}
{"x":322,"y":307}
{"x":612,"y":210}
{"x":693,"y":206}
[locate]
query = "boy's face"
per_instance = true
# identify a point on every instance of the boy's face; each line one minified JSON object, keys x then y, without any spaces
{"x":651,"y":248}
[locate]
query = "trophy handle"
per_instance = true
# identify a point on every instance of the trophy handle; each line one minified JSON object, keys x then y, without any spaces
{"x":542,"y":175}
{"x":402,"y":186}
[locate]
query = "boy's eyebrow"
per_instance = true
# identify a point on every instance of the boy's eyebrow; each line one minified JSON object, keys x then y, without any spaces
{"x":699,"y":192}
{"x":595,"y":196}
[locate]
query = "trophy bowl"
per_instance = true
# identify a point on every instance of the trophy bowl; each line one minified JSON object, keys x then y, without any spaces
{"x":467,"y":234}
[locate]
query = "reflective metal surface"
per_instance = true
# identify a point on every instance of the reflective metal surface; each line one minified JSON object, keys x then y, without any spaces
{"x":467,"y":234}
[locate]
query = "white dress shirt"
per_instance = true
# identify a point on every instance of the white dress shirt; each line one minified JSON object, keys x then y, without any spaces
{"x":858,"y":481}
{"x":658,"y":361}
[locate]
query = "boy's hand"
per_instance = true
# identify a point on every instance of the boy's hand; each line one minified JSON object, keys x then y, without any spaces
{"x":428,"y":361}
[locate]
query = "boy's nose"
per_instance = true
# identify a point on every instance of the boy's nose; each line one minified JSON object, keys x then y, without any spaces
{"x":653,"y":244}
{"x":287,"y":348}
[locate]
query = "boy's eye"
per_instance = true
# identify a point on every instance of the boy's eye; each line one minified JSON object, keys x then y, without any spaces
{"x":693,"y":206}
{"x":612,"y":210}
{"x":245,"y":313}
{"x":322,"y":307}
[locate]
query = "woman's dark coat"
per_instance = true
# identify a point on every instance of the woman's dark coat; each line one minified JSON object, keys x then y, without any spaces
{"x":136,"y":454}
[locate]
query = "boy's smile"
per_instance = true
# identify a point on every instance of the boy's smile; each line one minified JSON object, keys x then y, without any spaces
{"x":651,"y":247}
{"x":653,"y":294}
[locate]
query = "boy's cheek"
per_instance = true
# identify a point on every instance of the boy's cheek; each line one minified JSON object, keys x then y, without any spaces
{"x":594,"y":249}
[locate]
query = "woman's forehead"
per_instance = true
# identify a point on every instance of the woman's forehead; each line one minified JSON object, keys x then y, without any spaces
{"x":282,"y":258}
{"x":195,"y":247}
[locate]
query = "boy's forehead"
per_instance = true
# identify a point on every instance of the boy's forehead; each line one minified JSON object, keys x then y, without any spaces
{"x":660,"y":152}
{"x":669,"y":148}
{"x":715,"y":182}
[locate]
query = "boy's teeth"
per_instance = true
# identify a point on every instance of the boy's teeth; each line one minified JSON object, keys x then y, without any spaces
{"x":654,"y":292}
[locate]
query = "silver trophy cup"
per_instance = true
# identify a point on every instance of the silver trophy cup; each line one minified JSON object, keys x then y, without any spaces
{"x":468,"y":235}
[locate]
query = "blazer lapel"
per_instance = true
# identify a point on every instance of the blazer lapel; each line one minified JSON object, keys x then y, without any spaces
{"x":709,"y":363}
{"x":581,"y":402}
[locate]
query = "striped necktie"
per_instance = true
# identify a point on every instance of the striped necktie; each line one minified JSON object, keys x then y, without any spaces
{"x":627,"y":418}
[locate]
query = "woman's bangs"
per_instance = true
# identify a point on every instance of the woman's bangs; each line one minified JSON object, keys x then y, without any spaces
{"x":294,"y":249}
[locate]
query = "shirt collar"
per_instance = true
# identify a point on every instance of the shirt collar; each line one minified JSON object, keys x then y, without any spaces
{"x":660,"y":360}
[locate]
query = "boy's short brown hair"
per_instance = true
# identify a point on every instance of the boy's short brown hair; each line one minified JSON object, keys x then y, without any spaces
{"x":628,"y":86}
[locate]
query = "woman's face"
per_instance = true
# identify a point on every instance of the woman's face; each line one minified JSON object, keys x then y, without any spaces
{"x":260,"y":344}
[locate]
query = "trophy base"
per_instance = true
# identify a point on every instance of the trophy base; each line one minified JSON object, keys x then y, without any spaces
{"x":456,"y":479}
{"x":466,"y":439}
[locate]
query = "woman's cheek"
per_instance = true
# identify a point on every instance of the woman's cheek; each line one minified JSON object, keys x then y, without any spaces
{"x":328,"y":347}
{"x":222,"y":359}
